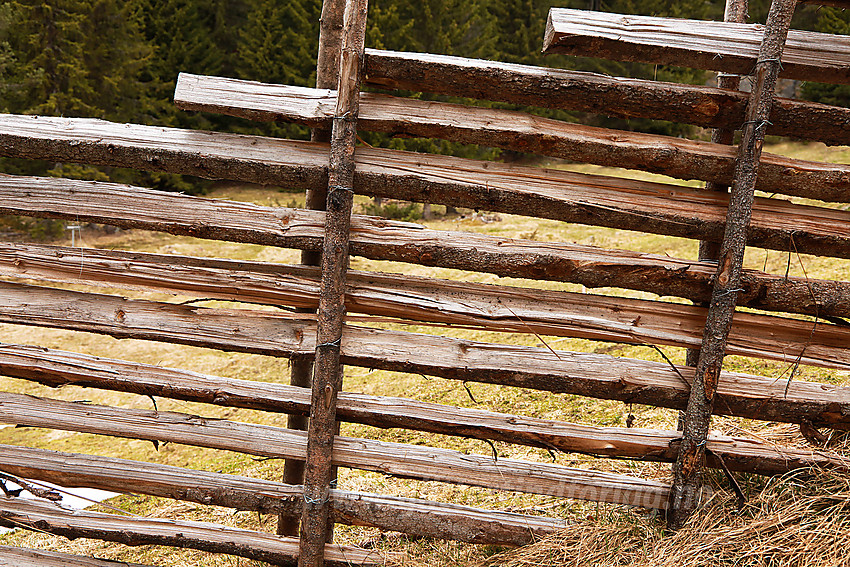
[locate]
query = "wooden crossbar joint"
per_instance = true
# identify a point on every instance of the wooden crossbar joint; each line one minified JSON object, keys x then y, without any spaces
{"x":684,"y":495}
{"x":327,"y":370}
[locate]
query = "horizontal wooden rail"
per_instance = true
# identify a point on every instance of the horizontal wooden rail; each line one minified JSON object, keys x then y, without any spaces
{"x":408,"y":461}
{"x":57,"y":368}
{"x":442,"y":302}
{"x":719,"y":46}
{"x":20,"y":557}
{"x":135,"y":207}
{"x":592,"y":375}
{"x":675,"y":157}
{"x":418,"y":518}
{"x":601,"y":94}
{"x":48,"y":517}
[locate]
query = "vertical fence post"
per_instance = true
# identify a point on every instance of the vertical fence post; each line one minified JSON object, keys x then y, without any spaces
{"x":736,"y":11}
{"x":327,"y":374}
{"x":684,"y":494}
{"x":301,"y":368}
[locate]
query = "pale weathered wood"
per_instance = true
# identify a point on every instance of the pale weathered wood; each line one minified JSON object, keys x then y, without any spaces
{"x":319,"y":472}
{"x":588,"y":92}
{"x":440,"y":302}
{"x":718,"y":46}
{"x":155,"y":531}
{"x":418,"y":518}
{"x":602,"y":376}
{"x":135,"y":207}
{"x":517,"y":131}
{"x":409,"y":461}
{"x":20,"y":557}
{"x":56,"y":368}
{"x":684,"y":497}
{"x":560,"y":195}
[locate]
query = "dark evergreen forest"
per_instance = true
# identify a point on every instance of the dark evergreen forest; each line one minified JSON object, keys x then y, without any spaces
{"x":118,"y":59}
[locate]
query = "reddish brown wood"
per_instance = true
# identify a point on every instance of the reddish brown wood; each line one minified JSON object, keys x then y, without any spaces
{"x":684,"y":496}
{"x":601,"y":94}
{"x":135,"y":207}
{"x":601,"y":376}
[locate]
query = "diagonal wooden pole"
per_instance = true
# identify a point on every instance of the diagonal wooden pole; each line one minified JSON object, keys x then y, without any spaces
{"x":327,"y":374}
{"x":736,"y":11}
{"x":684,"y":495}
{"x":301,"y":368}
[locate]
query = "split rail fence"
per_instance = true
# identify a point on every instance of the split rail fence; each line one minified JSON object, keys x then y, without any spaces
{"x":821,"y":339}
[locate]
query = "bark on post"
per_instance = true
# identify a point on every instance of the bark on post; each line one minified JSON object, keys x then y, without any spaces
{"x":327,"y":374}
{"x":686,"y":472}
{"x":736,"y":11}
{"x":301,"y":368}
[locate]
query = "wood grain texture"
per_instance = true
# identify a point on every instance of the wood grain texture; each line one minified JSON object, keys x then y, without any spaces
{"x":418,"y":518}
{"x":57,"y":368}
{"x":134,"y":207}
{"x":21,"y":557}
{"x":594,"y":375}
{"x":718,"y":46}
{"x":559,"y":195}
{"x":438,"y":302}
{"x":202,"y":536}
{"x":516,"y":131}
{"x":600,"y":94}
{"x":408,"y":461}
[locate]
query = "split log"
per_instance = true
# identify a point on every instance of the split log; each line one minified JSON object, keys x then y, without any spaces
{"x":600,"y":94}
{"x":517,"y":131}
{"x":133,"y":531}
{"x":57,"y":368}
{"x":560,"y":195}
{"x":407,"y":461}
{"x":414,"y":517}
{"x":134,"y":207}
{"x":600,"y":376}
{"x":717,"y":46}
{"x":439,"y":302}
{"x":20,"y":557}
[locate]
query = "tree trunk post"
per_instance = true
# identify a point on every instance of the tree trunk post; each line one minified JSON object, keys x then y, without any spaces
{"x":327,"y":374}
{"x":684,"y":493}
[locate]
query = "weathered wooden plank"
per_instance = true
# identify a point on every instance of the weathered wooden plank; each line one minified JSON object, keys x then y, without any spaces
{"x":21,"y":557}
{"x":560,"y":195}
{"x":134,"y":207}
{"x":133,"y":531}
{"x":684,"y":497}
{"x":601,"y":376}
{"x":675,"y":157}
{"x":440,"y":302}
{"x":56,"y":368}
{"x":415,"y":517}
{"x":409,"y":461}
{"x":601,"y":94}
{"x":718,"y":46}
{"x":319,"y":472}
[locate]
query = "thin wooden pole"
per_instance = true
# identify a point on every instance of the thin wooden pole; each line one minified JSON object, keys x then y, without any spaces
{"x":327,"y":373}
{"x":684,"y":494}
{"x":301,"y":368}
{"x":736,"y":11}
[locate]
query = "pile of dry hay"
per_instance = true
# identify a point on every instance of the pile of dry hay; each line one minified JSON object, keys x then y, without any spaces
{"x":800,"y":519}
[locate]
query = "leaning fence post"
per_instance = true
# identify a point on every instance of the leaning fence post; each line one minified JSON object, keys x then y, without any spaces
{"x":301,"y":368}
{"x":327,"y":374}
{"x":727,"y":281}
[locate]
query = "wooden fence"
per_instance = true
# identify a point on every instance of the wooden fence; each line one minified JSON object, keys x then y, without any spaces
{"x":766,"y":332}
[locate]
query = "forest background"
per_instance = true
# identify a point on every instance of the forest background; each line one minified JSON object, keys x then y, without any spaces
{"x":118,"y":60}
